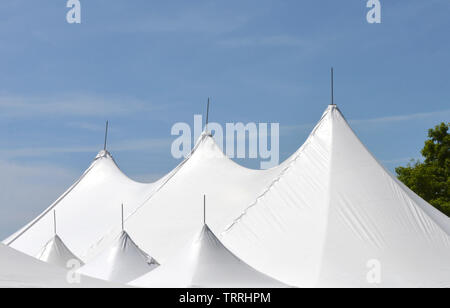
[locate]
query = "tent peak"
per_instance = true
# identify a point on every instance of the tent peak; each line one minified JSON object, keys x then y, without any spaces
{"x":331,"y":108}
{"x":123,"y":261}
{"x":204,"y":136}
{"x":209,"y":264}
{"x":57,"y":253}
{"x":103,"y":154}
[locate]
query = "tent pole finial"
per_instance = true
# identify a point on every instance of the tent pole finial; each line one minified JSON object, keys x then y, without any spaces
{"x":332,"y":86}
{"x":123,"y":227}
{"x":204,"y":209}
{"x":106,"y":136}
{"x":207,"y":116}
{"x":54,"y":222}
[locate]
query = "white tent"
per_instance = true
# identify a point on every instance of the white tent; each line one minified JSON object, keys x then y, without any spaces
{"x":317,"y":219}
{"x":18,"y":270}
{"x":86,"y":211}
{"x":122,"y":262}
{"x":206,"y":263}
{"x":170,"y":217}
{"x":161,"y":216}
{"x":336,"y":217}
{"x":56,"y":252}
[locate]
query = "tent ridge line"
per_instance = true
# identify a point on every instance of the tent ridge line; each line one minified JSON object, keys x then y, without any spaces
{"x":277,"y":179}
{"x":168,"y":177}
{"x":328,"y":201}
{"x":51,"y":207}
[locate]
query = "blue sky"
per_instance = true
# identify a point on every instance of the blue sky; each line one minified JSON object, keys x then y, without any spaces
{"x":145,"y":65}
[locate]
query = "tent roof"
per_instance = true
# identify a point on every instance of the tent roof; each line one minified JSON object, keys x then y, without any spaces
{"x":122,"y":262}
{"x":170,"y":217}
{"x":18,"y":270}
{"x":334,"y":213}
{"x":56,"y":252}
{"x":206,"y":262}
{"x":86,"y":211}
{"x":332,"y":204}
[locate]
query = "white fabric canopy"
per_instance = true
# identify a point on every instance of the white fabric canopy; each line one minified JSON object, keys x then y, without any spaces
{"x":206,"y":263}
{"x":161,"y":216}
{"x":86,"y":211}
{"x":318,"y":219}
{"x":336,"y":217}
{"x":122,"y":262}
{"x":56,"y":252}
{"x":170,"y":218}
{"x":18,"y":270}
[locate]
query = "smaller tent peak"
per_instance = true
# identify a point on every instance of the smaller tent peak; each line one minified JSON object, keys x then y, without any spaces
{"x":206,"y":229}
{"x":124,"y":234}
{"x":57,"y":253}
{"x":206,"y":263}
{"x":123,"y":261}
{"x":206,"y":236}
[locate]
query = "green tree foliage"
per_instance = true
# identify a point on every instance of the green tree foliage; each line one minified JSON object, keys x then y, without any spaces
{"x":430,"y":178}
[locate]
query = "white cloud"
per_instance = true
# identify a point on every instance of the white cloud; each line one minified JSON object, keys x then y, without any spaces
{"x":438,"y":115}
{"x":397,"y":161}
{"x":155,"y":145}
{"x":404,"y":117}
{"x":70,"y":105}
{"x":44,"y":151}
{"x":88,"y":126}
{"x":204,"y":19}
{"x":149,"y":145}
{"x":295,"y":129}
{"x":275,"y":40}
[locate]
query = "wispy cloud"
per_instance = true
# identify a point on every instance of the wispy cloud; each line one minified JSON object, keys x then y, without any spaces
{"x":404,"y":117}
{"x":204,"y":19}
{"x":45,"y":151}
{"x":397,"y":161}
{"x":70,"y":105}
{"x":275,"y":40}
{"x":87,"y":126}
{"x":145,"y":145}
{"x":307,"y":127}
{"x":151,"y":144}
{"x":300,"y":128}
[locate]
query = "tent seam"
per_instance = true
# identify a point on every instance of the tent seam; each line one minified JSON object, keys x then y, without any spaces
{"x":278,"y":178}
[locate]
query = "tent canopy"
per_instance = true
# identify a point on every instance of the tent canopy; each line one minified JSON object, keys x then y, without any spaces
{"x":206,"y":263}
{"x":161,"y":216}
{"x":86,"y":211}
{"x":334,"y":213}
{"x":56,"y":252}
{"x":18,"y":270}
{"x":122,"y":262}
{"x":318,"y":219}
